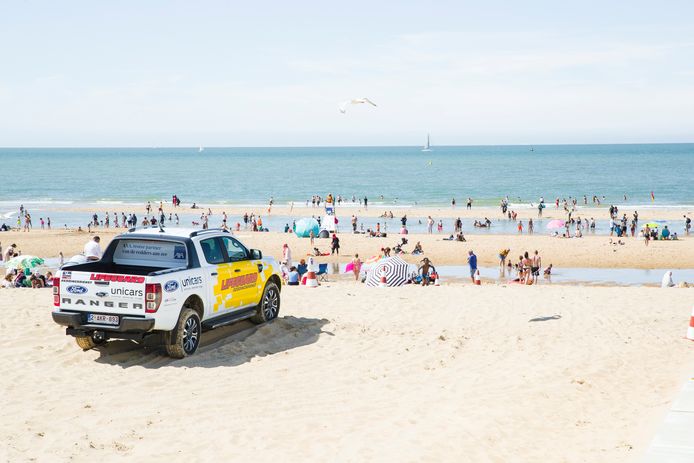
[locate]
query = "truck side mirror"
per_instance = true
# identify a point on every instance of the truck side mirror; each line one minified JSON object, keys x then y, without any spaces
{"x":256,"y":254}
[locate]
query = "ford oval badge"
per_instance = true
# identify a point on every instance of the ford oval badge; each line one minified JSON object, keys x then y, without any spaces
{"x":74,"y":289}
{"x":171,"y":286}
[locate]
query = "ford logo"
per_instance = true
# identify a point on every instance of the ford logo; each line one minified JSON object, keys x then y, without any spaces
{"x":171,"y":286}
{"x":102,"y":294}
{"x":76,"y":289}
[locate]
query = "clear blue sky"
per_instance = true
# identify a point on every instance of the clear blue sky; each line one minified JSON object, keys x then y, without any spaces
{"x":223,"y":73}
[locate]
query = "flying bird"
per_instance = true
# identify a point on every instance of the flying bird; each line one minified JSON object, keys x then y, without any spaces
{"x":343,"y":105}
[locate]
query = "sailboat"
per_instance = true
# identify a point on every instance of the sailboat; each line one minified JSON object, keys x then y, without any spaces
{"x":427,"y":147}
{"x":201,"y":149}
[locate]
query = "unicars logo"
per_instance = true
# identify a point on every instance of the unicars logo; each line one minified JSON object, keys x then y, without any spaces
{"x":171,"y":286}
{"x":76,"y":289}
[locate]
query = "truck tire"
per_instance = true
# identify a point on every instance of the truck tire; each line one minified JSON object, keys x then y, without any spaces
{"x":269,"y":306}
{"x":187,"y":339}
{"x":85,"y":342}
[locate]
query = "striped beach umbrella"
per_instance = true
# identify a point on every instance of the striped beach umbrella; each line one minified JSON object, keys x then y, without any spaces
{"x":393,"y":268}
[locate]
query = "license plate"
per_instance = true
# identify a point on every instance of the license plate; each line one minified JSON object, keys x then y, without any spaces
{"x":103,"y":319}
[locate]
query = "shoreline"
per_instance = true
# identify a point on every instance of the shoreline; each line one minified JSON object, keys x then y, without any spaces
{"x":646,"y":212}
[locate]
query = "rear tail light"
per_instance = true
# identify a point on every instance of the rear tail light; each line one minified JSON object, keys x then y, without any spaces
{"x":152,"y":297}
{"x":56,"y":291}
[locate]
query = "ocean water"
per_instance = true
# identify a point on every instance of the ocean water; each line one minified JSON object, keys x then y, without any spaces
{"x":393,"y":176}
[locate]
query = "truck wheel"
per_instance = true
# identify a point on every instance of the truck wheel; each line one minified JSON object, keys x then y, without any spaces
{"x":85,"y":342}
{"x":187,"y":338}
{"x":269,"y":306}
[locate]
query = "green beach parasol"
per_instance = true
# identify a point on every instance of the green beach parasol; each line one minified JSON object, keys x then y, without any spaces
{"x":22,"y":262}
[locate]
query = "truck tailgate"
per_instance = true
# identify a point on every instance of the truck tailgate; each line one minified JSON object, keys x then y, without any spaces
{"x":102,"y":293}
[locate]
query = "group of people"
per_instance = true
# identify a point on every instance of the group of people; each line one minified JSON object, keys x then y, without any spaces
{"x":27,"y":278}
{"x":527,"y":267}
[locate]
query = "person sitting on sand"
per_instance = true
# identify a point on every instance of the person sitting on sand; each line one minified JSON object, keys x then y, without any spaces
{"x":460,"y":237}
{"x":293,"y":277}
{"x":665,"y":234}
{"x":8,"y":281}
{"x":417,"y":249}
{"x":10,"y":252}
{"x":548,"y":270}
{"x":424,"y":270}
{"x":667,"y":280}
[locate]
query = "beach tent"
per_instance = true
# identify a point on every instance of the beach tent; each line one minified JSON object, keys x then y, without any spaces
{"x":303,"y":227}
{"x":393,"y":268}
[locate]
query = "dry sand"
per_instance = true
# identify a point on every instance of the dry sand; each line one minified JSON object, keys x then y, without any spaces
{"x":350,"y":373}
{"x":590,"y":251}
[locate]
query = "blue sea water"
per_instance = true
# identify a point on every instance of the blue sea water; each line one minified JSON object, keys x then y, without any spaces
{"x":401,"y":175}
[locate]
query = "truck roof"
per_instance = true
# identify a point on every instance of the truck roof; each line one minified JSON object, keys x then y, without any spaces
{"x":178,"y":232}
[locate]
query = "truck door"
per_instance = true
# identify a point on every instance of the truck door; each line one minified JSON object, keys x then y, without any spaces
{"x":241,"y":275}
{"x":214,"y":264}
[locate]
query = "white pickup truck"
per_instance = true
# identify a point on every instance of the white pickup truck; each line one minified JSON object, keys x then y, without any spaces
{"x":164,"y":287}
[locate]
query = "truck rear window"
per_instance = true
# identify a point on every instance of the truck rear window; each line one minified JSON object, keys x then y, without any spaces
{"x":150,"y":253}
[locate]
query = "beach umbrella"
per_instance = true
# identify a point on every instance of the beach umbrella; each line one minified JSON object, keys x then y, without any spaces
{"x":556,"y":223}
{"x":303,"y":228}
{"x":21,"y":262}
{"x":393,"y":268}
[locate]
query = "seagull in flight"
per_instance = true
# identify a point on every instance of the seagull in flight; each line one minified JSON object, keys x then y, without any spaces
{"x":343,"y":105}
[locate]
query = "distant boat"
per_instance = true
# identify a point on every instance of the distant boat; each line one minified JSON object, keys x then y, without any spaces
{"x":201,"y":149}
{"x":427,"y":147}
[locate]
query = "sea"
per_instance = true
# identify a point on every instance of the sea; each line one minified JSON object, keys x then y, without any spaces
{"x":392,"y":178}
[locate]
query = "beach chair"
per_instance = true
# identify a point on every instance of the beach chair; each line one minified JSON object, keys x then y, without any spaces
{"x":302,"y":268}
{"x":322,"y":272}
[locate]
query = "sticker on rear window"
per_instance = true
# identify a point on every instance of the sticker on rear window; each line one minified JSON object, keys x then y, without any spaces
{"x":180,"y":252}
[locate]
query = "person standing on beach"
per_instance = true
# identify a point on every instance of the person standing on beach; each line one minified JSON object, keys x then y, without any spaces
{"x":366,"y":202}
{"x":356,"y":266}
{"x":502,"y":258}
{"x":286,"y":254}
{"x":92,"y":250}
{"x":520,"y":227}
{"x":335,"y":245}
{"x":430,"y":225}
{"x":687,"y":224}
{"x":536,"y":265}
{"x":472,"y":262}
{"x":312,"y":236}
{"x":469,"y":203}
{"x":354,"y":223}
{"x":531,"y":227}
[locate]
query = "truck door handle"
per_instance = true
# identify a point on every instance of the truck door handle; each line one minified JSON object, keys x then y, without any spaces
{"x":214,"y":274}
{"x":237,"y":270}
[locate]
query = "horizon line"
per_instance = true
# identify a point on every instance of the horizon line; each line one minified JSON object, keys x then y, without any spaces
{"x":345,"y":146}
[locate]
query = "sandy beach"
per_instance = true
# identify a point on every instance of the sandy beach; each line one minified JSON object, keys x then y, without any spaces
{"x":589,"y":251}
{"x":350,"y":373}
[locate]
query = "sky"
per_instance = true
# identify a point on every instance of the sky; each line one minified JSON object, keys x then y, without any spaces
{"x":272,"y":73}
